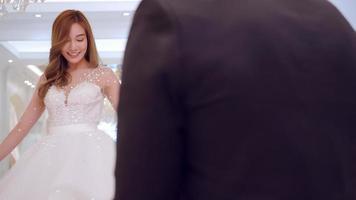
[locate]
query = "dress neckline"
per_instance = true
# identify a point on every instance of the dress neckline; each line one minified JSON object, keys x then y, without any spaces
{"x":83,"y":79}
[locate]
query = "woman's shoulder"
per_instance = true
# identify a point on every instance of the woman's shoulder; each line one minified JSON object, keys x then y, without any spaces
{"x":103,"y":69}
{"x":103,"y":74}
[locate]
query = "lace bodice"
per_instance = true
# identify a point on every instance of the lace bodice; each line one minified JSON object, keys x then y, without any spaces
{"x":83,"y":103}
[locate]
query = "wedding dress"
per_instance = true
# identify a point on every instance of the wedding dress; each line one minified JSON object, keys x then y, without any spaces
{"x":75,"y":160}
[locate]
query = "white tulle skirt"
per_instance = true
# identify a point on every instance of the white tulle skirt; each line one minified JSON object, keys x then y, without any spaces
{"x":73,"y":162}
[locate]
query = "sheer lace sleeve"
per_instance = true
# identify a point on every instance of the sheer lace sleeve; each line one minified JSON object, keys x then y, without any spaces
{"x":110,"y":84}
{"x":32,"y":113}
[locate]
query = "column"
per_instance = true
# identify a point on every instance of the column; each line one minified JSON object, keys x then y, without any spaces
{"x":4,"y":114}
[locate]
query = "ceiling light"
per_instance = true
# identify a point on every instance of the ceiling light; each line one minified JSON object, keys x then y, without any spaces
{"x":35,"y":69}
{"x":38,"y":15}
{"x":126,"y":14}
{"x":27,"y":82}
{"x":10,"y":61}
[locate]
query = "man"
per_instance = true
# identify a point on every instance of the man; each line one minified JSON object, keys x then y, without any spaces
{"x":237,"y":100}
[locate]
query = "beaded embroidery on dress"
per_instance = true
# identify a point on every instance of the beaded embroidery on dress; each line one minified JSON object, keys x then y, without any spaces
{"x":75,"y":160}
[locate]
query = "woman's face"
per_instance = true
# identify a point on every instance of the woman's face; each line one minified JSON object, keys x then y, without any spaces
{"x":75,"y":48}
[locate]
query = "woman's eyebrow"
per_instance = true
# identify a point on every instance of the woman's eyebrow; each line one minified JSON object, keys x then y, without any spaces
{"x":79,"y":35}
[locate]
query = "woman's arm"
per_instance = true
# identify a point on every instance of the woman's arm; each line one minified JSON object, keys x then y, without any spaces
{"x":32,"y":113}
{"x":111,"y":87}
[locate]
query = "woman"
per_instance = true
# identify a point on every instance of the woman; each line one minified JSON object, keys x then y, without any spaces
{"x":74,"y":160}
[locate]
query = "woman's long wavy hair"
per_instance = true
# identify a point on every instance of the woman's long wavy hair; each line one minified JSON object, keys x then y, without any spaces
{"x":56,"y":72}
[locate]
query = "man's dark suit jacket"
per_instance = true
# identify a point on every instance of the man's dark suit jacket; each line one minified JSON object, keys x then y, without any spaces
{"x":237,"y":100}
